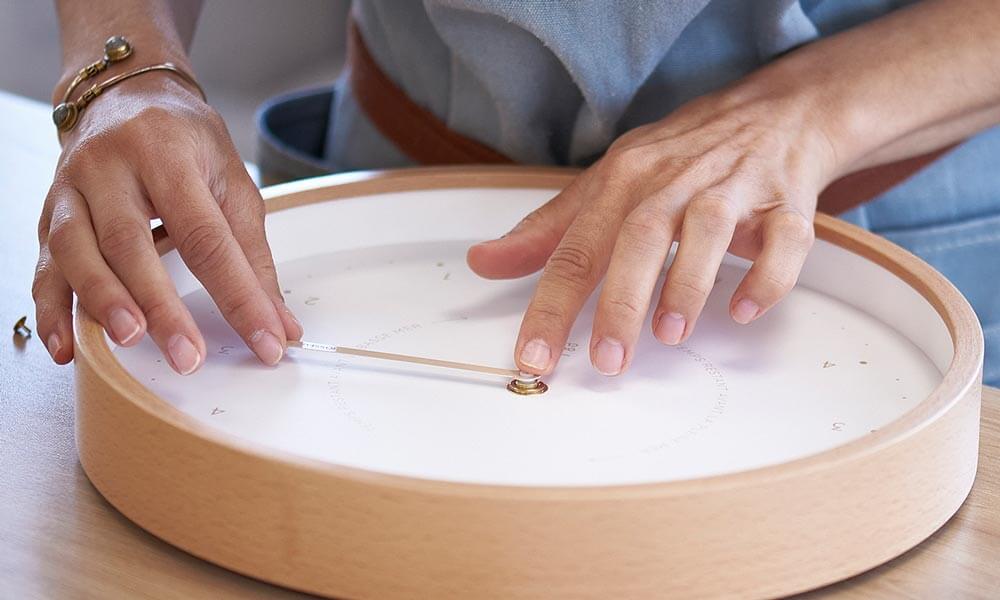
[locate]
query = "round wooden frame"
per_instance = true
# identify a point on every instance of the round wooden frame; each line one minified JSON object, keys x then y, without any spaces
{"x":345,"y":532}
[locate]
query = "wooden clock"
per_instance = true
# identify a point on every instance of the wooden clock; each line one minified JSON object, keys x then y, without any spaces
{"x":835,"y":433}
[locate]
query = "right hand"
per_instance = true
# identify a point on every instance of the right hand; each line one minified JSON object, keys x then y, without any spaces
{"x":147,"y":148}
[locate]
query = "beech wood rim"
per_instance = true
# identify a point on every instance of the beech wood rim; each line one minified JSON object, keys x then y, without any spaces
{"x":120,"y":424}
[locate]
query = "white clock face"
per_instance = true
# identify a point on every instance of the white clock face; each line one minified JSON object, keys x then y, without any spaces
{"x":388,"y":273}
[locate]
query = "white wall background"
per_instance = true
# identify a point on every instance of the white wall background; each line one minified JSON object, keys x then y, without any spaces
{"x":244,"y":51}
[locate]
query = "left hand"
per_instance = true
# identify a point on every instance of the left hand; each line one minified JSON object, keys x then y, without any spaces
{"x":738,"y":170}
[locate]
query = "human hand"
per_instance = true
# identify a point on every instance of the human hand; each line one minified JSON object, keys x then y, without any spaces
{"x":147,"y":148}
{"x":739,"y":170}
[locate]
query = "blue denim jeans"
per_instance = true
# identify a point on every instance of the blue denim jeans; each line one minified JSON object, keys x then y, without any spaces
{"x":960,"y":238}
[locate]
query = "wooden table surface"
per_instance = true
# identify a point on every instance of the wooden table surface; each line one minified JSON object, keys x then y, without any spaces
{"x":60,"y":539}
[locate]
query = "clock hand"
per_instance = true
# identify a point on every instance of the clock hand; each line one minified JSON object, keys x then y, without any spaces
{"x":521,"y":383}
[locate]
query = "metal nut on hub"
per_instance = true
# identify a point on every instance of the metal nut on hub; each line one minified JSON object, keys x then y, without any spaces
{"x":527,"y":384}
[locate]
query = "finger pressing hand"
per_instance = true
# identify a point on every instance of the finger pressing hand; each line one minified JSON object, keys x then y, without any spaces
{"x":53,"y":307}
{"x":639,"y":253}
{"x":571,"y":273}
{"x":126,"y":243}
{"x":706,"y":232}
{"x":205,"y":241}
{"x":243,"y":207}
{"x":787,"y":236}
{"x":74,"y":248}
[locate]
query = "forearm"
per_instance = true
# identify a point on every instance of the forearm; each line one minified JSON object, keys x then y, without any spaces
{"x":160,"y":31}
{"x":914,"y":81}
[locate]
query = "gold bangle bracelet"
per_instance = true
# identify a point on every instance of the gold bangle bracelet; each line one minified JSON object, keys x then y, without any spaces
{"x":116,"y":48}
{"x":66,"y":114}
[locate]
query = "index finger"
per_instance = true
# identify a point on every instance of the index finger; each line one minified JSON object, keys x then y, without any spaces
{"x":244,"y":210}
{"x":571,"y":274}
{"x":205,"y":241}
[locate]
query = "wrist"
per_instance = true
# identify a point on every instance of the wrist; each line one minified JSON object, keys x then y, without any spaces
{"x":130,"y":98}
{"x":807,"y":89}
{"x":148,"y":54}
{"x":774,"y":98}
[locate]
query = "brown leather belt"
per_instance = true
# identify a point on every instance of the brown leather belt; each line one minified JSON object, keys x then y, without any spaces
{"x":423,"y":137}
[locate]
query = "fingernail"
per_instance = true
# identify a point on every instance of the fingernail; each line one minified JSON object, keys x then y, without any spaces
{"x":123,"y":325}
{"x":536,"y":355}
{"x":745,"y":311}
{"x":53,"y":345}
{"x":183,"y":354}
{"x":670,"y":329}
{"x":609,"y":356}
{"x":267,"y":347}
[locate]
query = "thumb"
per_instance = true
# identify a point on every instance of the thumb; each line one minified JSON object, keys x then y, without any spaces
{"x":525,"y":248}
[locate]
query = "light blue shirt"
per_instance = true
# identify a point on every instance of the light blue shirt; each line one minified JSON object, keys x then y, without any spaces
{"x":550,"y":82}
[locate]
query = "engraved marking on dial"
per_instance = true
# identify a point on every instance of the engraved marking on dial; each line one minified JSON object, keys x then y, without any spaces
{"x":333,"y":384}
{"x":451,"y":320}
{"x":716,"y":412}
